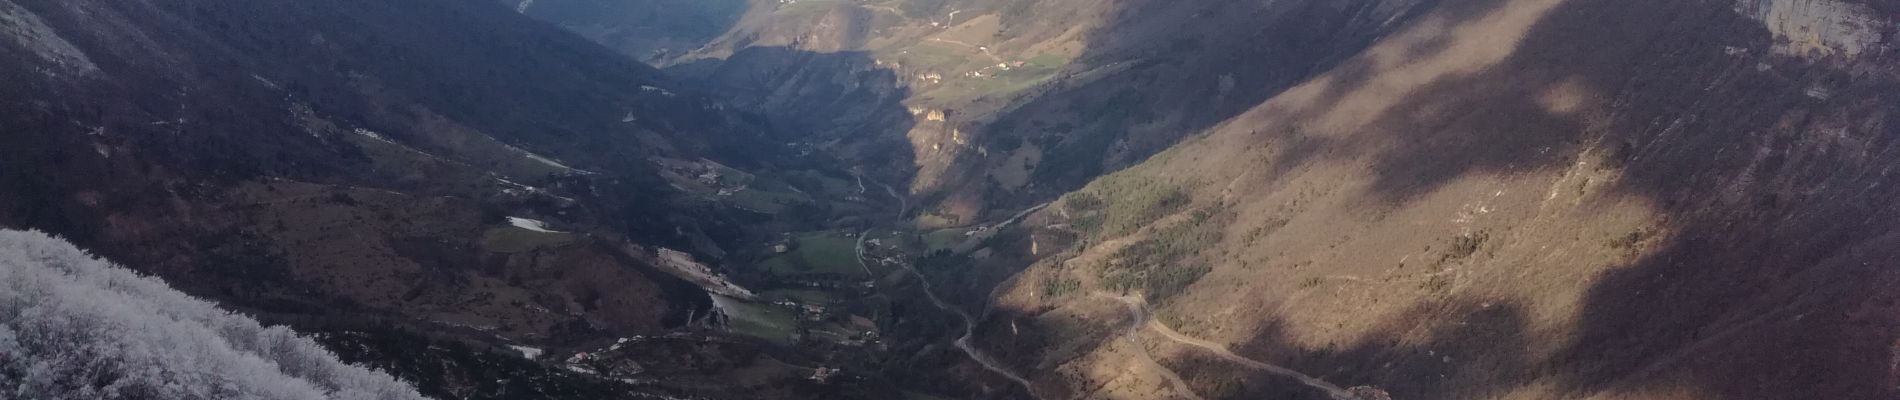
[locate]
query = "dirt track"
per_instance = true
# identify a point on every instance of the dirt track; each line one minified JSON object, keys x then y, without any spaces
{"x":1133,"y":336}
{"x":1140,"y":307}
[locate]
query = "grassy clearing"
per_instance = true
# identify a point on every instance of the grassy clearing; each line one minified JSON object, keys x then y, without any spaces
{"x":830,"y":186}
{"x":943,"y":239}
{"x":1005,"y":82}
{"x":766,"y":370}
{"x":941,"y":56}
{"x":765,"y":321}
{"x":806,"y":7}
{"x":688,"y":184}
{"x":769,"y":202}
{"x":763,"y":194}
{"x":835,"y":332}
{"x":928,"y":220}
{"x":843,"y":208}
{"x":516,"y":240}
{"x":827,"y":252}
{"x":1046,"y":60}
{"x":798,"y":295}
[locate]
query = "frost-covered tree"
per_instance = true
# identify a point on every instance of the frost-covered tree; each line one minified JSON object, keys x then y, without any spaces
{"x":73,"y":326}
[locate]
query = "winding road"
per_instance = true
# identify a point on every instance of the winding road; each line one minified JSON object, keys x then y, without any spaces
{"x":903,"y":203}
{"x":1140,"y":306}
{"x":1137,"y":305}
{"x":930,"y":292}
{"x":860,"y":250}
{"x":1133,"y":336}
{"x":969,"y":327}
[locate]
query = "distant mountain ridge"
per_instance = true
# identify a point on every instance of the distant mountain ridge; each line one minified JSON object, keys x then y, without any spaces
{"x":986,"y":106}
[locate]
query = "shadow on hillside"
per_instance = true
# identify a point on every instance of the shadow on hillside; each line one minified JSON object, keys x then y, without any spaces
{"x":1772,"y":278}
{"x":1481,"y":338}
{"x":841,"y":100}
{"x":1769,"y":280}
{"x":1731,"y":312}
{"x":1464,"y":337}
{"x":1157,"y":82}
{"x":1171,"y":82}
{"x":192,"y":99}
{"x":647,"y":30}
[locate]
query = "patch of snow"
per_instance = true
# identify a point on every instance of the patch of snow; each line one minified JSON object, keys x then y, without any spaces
{"x":528,"y":352}
{"x":523,"y":7}
{"x":530,"y":224}
{"x":518,"y":189}
{"x":373,"y":135}
{"x":267,"y":83}
{"x":550,"y":162}
{"x":663,"y":92}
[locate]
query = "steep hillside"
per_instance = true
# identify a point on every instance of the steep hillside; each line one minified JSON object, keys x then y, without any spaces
{"x":647,"y":30}
{"x":482,"y":204}
{"x":1100,"y":199}
{"x":1524,"y":199}
{"x":73,"y":326}
{"x":988,"y":105}
{"x":443,"y":163}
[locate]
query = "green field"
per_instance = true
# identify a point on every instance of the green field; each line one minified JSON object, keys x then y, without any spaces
{"x":833,"y":332}
{"x":769,"y":202}
{"x":1046,"y":61}
{"x":818,"y":252}
{"x":928,"y":220}
{"x":763,"y":193}
{"x":941,"y":56}
{"x":1002,"y":82}
{"x":843,"y":208}
{"x":798,"y":295}
{"x":829,"y":185}
{"x":943,"y":239}
{"x":765,"y":321}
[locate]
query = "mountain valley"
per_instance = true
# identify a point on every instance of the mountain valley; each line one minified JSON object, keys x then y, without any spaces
{"x":989,"y":199}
